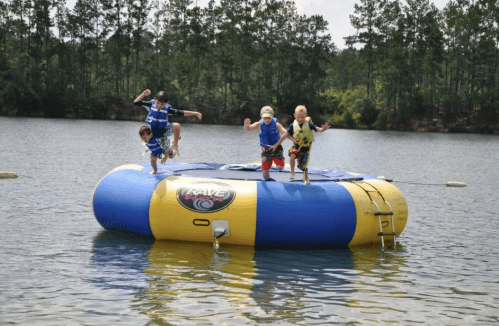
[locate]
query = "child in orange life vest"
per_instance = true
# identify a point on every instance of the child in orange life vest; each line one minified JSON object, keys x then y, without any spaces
{"x":269,"y":135}
{"x":301,"y":129}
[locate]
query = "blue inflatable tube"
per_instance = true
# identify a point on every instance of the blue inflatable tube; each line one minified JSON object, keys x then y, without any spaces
{"x":304,"y":215}
{"x":201,"y":201}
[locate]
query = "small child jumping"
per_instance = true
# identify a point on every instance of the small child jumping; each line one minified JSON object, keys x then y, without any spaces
{"x":301,"y":129}
{"x":157,"y":118}
{"x":157,"y":146}
{"x":292,"y":156}
{"x":269,"y":135}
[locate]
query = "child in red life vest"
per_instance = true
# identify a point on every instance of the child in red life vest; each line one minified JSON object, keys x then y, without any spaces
{"x":270,"y":131}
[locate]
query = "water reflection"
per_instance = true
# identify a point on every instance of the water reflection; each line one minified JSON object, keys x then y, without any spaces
{"x":379,"y":277}
{"x":172,"y":279}
{"x":291,"y":284}
{"x":120,"y":261}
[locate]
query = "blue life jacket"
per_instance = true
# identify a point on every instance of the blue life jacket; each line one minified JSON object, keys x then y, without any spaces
{"x":269,"y":135}
{"x":154,"y":146}
{"x":158,"y":119}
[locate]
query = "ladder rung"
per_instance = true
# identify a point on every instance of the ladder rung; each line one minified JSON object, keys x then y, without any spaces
{"x":383,"y":213}
{"x":386,"y":233}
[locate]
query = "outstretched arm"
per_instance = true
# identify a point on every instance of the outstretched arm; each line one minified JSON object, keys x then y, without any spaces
{"x":248,"y":126}
{"x":323,"y":128}
{"x":191,"y":113}
{"x":145,"y":93}
{"x":279,"y":142}
{"x":281,"y":129}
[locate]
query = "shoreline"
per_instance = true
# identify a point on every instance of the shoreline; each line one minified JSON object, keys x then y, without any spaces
{"x":131,"y":113}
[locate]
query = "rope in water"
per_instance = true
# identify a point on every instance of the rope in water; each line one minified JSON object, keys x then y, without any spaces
{"x":418,"y":183}
{"x":448,"y":183}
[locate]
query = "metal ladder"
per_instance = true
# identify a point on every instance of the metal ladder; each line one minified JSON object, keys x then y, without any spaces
{"x":379,"y":213}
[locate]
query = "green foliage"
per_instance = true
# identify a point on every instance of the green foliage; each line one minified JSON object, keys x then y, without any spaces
{"x":408,"y":60}
{"x":54,"y":106}
{"x":381,"y":120}
{"x":352,"y":108}
{"x":367,"y":109}
{"x":228,"y":58}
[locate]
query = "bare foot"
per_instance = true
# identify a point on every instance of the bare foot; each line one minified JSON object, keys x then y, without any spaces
{"x":175,"y":150}
{"x":305,"y":179}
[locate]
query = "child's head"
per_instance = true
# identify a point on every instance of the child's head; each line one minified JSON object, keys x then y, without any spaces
{"x":267,"y":113}
{"x":300,"y":113}
{"x":161,"y":98}
{"x":145,"y":133}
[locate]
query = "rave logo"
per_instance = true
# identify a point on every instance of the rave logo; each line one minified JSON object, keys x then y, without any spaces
{"x":206,"y":197}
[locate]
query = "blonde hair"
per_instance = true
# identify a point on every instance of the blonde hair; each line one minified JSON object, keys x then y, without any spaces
{"x":300,"y":108}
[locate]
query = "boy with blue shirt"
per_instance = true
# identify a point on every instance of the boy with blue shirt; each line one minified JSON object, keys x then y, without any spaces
{"x":157,"y":118}
{"x":157,"y":146}
{"x":269,"y":135}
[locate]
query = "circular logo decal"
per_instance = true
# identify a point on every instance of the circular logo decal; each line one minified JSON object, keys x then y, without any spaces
{"x":206,"y":197}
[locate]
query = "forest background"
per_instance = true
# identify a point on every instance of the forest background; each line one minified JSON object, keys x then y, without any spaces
{"x":410,"y":66}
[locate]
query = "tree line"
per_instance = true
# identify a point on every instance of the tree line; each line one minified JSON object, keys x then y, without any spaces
{"x":409,"y":62}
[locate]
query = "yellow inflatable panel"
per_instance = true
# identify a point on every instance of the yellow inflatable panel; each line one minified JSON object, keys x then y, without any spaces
{"x":179,"y":210}
{"x":364,"y":193}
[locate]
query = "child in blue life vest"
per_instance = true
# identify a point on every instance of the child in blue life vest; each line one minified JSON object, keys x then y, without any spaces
{"x":157,"y":146}
{"x":301,"y":130}
{"x":157,"y":118}
{"x":270,"y":131}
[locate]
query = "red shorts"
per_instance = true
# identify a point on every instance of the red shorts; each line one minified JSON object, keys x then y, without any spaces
{"x":269,"y":156}
{"x":268,"y":164}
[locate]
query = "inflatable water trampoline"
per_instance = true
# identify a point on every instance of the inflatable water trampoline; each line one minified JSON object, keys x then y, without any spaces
{"x":230,"y":202}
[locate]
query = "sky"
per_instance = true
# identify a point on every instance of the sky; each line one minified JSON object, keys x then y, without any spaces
{"x":336,"y":12}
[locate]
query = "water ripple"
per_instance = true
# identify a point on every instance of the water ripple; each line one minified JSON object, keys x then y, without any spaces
{"x":59,"y":267}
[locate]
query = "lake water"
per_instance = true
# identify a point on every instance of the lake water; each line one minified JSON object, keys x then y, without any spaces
{"x":59,"y":267}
